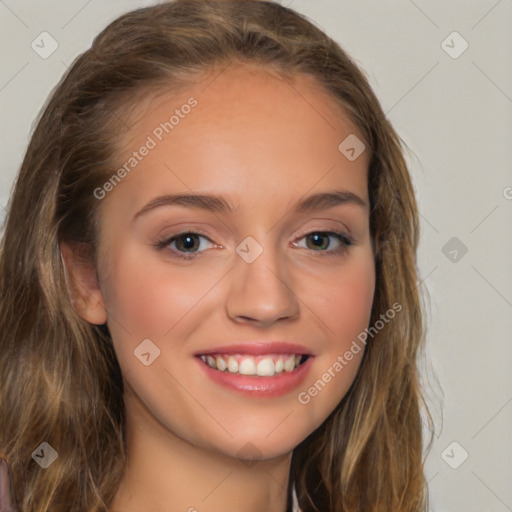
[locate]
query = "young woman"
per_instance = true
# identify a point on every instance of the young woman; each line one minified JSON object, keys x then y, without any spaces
{"x":208,"y":286}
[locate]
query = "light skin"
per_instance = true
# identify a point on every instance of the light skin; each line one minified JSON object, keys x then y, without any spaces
{"x":263,"y":145}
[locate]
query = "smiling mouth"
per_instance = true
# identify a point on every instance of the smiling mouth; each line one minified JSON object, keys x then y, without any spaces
{"x":262,"y":366}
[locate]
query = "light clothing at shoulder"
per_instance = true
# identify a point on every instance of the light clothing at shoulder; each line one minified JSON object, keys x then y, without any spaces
{"x":295,"y":502}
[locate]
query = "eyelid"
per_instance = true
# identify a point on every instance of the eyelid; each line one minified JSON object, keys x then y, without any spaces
{"x":345,"y":240}
{"x":165,"y":241}
{"x":340,"y":229}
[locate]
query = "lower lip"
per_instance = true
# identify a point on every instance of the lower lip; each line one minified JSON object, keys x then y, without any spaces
{"x":274,"y":386}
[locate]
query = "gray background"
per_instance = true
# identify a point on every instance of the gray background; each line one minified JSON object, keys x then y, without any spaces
{"x":454,"y":113}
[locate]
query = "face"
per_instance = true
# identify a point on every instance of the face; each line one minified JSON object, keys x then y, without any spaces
{"x":272,"y":268}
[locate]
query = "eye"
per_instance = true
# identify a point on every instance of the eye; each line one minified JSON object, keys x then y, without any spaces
{"x":319,"y":241}
{"x":187,"y":242}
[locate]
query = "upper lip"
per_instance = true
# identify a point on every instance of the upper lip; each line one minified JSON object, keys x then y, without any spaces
{"x":257,"y":348}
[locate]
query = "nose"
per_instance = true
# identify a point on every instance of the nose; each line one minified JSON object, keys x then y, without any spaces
{"x":261,"y":292}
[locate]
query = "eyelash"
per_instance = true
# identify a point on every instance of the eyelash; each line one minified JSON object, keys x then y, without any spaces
{"x":344,"y":240}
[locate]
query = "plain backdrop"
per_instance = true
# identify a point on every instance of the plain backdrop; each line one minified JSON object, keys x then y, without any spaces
{"x":443,"y":74}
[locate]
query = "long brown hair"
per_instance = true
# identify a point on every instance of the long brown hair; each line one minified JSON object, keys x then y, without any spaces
{"x":60,"y":382}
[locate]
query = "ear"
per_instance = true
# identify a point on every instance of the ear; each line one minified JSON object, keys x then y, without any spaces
{"x":82,"y":281}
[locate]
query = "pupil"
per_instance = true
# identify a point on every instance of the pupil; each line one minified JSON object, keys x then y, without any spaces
{"x":318,"y":238}
{"x":189,"y":241}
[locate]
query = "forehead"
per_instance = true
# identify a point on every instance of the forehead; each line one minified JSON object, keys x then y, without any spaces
{"x":236,"y":90}
{"x":250,"y":129}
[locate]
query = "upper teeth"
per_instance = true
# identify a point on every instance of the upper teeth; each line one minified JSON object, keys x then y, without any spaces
{"x":263,"y":366}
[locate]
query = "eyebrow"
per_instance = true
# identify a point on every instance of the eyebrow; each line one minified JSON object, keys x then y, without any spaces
{"x":219,"y":204}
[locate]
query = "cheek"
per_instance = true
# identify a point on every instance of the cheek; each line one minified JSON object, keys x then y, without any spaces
{"x":350,"y":306}
{"x":150,"y":299}
{"x":344,"y":307}
{"x":345,"y":303}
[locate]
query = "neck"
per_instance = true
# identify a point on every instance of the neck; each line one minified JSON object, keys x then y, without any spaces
{"x":165,"y":473}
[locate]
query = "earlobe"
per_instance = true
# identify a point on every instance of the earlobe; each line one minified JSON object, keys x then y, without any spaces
{"x":82,"y":282}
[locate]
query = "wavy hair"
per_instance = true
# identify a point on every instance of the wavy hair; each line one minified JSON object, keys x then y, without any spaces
{"x":60,"y":381}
